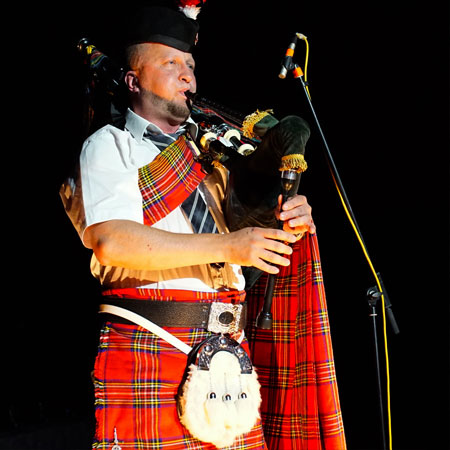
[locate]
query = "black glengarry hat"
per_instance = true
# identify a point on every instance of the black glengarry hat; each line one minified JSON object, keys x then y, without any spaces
{"x":175,"y":27}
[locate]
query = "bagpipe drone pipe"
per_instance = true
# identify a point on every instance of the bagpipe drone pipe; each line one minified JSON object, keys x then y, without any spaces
{"x":257,"y":149}
{"x":264,"y":155}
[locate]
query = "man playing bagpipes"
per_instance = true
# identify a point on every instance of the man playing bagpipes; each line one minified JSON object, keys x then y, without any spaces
{"x":173,"y":367}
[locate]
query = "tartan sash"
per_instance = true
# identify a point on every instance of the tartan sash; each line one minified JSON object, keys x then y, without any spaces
{"x":300,"y":401}
{"x":169,"y":180}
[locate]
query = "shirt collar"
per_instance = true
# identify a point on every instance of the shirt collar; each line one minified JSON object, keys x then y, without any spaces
{"x":137,"y":126}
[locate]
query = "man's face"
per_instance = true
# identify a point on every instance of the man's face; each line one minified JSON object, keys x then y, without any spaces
{"x":165,"y":74}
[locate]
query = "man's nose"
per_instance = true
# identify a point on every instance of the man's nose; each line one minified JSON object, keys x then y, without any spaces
{"x":186,"y":75}
{"x":187,"y":78}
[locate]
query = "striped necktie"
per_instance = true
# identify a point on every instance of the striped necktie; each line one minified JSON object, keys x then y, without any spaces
{"x":194,"y":206}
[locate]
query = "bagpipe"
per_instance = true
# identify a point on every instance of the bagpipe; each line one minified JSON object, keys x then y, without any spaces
{"x":264,"y":155}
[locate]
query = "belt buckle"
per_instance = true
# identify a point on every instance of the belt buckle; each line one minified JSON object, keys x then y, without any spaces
{"x":224,"y":317}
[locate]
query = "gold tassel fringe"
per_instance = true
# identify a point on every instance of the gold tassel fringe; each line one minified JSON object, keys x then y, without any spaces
{"x":293,"y":162}
{"x":251,"y":120}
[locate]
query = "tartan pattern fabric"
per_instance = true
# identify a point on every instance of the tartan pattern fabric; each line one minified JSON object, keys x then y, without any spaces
{"x":168,"y":180}
{"x":137,"y":376}
{"x":177,"y":295}
{"x":300,"y":408}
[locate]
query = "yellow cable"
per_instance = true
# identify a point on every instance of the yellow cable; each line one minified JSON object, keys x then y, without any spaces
{"x":388,"y":384}
{"x":302,"y":36}
{"x":306,"y":66}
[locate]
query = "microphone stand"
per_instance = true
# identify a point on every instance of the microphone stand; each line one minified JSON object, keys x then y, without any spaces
{"x":374,"y":293}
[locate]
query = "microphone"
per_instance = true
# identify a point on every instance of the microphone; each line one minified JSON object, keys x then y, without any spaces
{"x":286,"y":63}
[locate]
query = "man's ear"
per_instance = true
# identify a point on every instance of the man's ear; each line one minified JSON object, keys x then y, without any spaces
{"x":132,"y":81}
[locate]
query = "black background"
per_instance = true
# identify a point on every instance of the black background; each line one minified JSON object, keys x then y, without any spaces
{"x":378,"y":74}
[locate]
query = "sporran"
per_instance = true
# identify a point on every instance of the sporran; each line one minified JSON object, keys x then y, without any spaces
{"x":220,"y":398}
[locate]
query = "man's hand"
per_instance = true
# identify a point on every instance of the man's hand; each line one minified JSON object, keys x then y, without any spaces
{"x":262,"y":248}
{"x":296,"y":215}
{"x":128,"y":244}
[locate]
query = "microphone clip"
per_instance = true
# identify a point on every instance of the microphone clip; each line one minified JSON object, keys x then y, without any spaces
{"x":287,"y":63}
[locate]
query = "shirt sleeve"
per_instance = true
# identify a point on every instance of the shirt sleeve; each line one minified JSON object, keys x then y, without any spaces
{"x":109,"y":178}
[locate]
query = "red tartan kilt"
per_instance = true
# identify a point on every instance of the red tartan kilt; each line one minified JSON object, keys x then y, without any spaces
{"x":137,"y":376}
{"x":300,"y":403}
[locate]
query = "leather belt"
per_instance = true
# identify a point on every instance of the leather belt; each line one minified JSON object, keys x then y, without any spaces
{"x":216,"y":317}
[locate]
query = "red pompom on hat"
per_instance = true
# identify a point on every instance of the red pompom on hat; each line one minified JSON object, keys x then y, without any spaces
{"x":190,"y":8}
{"x":173,"y":26}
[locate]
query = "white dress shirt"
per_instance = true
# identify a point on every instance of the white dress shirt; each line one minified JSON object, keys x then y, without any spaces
{"x":109,"y":164}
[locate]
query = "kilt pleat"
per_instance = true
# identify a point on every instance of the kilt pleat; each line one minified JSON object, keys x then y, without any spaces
{"x":300,"y":400}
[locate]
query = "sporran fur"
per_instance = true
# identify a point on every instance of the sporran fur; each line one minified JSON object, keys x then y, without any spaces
{"x":220,"y":398}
